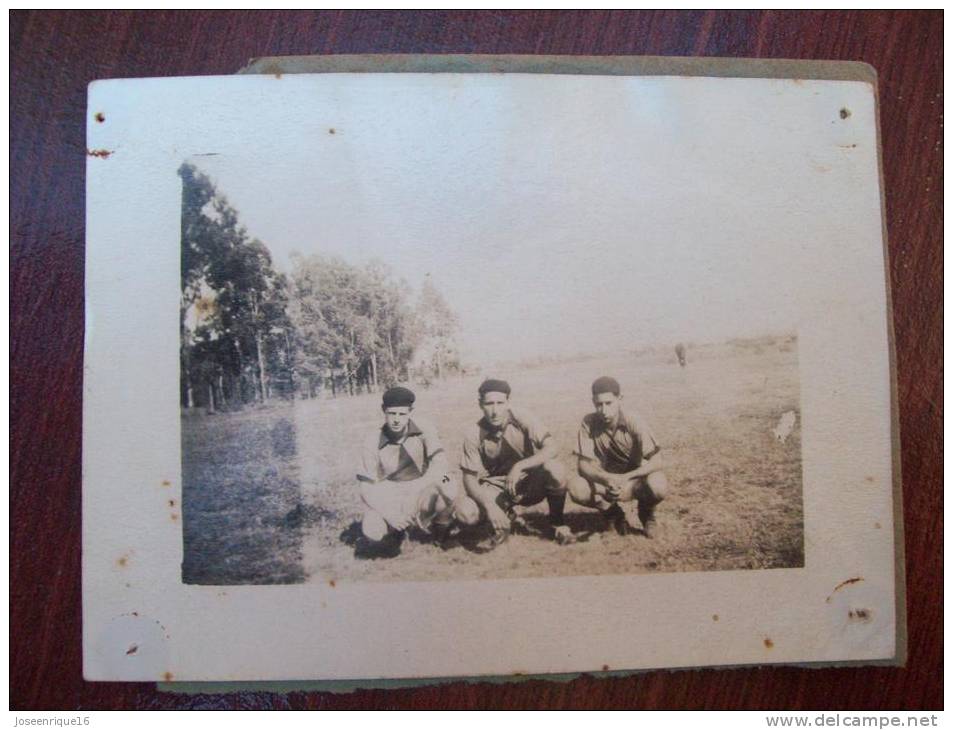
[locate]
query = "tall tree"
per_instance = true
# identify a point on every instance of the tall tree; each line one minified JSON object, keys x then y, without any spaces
{"x":438,"y":325}
{"x":350,"y":320}
{"x":238,"y":328}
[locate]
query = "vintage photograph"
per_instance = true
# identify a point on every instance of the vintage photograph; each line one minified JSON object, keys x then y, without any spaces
{"x":547,"y":350}
{"x":393,"y":404}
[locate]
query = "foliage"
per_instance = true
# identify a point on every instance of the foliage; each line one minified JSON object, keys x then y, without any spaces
{"x":249,"y":332}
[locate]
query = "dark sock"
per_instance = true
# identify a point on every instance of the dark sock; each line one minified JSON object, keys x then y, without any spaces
{"x":557,"y":503}
{"x":646,"y":512}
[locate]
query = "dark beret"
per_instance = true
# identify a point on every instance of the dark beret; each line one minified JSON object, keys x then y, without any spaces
{"x":492,"y":385}
{"x":398,"y":397}
{"x":605,"y":384}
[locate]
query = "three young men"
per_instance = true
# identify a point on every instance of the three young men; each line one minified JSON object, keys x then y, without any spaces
{"x":509,"y":459}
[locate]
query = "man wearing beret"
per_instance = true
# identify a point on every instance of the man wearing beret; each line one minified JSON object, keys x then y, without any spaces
{"x":619,"y":460}
{"x":509,"y":459}
{"x":404,"y":477}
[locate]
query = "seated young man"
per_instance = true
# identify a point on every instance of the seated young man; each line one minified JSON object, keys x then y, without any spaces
{"x":619,"y":461}
{"x":509,"y":459}
{"x":404,"y":478}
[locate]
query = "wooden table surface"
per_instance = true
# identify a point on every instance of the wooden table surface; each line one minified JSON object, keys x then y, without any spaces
{"x":54,"y":55}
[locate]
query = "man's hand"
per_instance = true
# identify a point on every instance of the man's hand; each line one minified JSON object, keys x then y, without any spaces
{"x":615,"y":487}
{"x":513,"y":479}
{"x":497,"y":518}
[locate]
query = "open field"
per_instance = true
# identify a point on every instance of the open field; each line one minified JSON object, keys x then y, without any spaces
{"x":735,"y":500}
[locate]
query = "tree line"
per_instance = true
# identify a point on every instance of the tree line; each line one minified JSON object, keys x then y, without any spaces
{"x":250,"y":333}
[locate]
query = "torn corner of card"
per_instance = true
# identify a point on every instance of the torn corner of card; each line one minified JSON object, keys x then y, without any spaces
{"x":487,"y":366}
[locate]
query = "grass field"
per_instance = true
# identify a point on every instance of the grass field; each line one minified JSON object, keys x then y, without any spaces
{"x":269,"y":494}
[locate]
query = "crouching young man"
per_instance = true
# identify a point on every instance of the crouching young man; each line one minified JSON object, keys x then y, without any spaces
{"x":404,"y":478}
{"x":619,"y":461}
{"x":509,"y":460}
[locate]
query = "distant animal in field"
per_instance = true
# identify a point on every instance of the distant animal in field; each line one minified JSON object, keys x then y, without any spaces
{"x":680,"y":354}
{"x":785,"y":426}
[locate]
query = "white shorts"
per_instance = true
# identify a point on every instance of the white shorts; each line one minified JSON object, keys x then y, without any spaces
{"x":421,"y":505}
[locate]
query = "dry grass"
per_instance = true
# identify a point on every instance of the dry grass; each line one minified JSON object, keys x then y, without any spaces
{"x":735,"y":499}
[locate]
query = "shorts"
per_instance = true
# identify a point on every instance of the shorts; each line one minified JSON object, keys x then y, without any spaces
{"x":398,"y":503}
{"x":535,"y":486}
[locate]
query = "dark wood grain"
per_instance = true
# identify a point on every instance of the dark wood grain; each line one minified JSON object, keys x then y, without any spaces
{"x":53,"y":57}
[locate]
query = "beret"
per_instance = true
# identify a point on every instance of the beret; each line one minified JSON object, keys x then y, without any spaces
{"x":492,"y":385}
{"x":398,"y":397}
{"x":605,"y":384}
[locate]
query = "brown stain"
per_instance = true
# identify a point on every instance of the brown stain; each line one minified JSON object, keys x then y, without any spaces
{"x":798,"y":82}
{"x":842,"y":584}
{"x":860,"y":615}
{"x":166,"y":483}
{"x":99,"y":153}
{"x":167,"y":677}
{"x":714,"y":617}
{"x":123,"y":561}
{"x":844,"y":113}
{"x":205,"y":306}
{"x":877,"y":526}
{"x":869,"y":479}
{"x":332,"y":583}
{"x":848,"y":147}
{"x":605,"y":667}
{"x":132,"y":650}
{"x":100,"y":117}
{"x":768,"y":644}
{"x":172,"y":503}
{"x":278,"y":75}
{"x":174,"y":517}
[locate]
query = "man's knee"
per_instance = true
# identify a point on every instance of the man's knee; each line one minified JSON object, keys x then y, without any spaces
{"x":557,"y":473}
{"x":466,"y":511}
{"x":557,"y":477}
{"x":656,"y":485}
{"x":580,"y":490}
{"x":374,"y":526}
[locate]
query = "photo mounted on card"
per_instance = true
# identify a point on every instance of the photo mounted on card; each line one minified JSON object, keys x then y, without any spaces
{"x":409,"y":367}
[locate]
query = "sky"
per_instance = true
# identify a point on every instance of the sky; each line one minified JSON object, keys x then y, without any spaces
{"x":557,"y":215}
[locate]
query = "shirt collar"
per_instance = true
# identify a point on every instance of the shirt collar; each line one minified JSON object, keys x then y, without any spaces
{"x":412,"y":429}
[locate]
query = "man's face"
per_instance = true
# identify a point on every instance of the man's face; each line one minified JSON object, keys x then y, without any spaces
{"x":396,"y":418}
{"x":607,"y":406}
{"x":496,"y":407}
